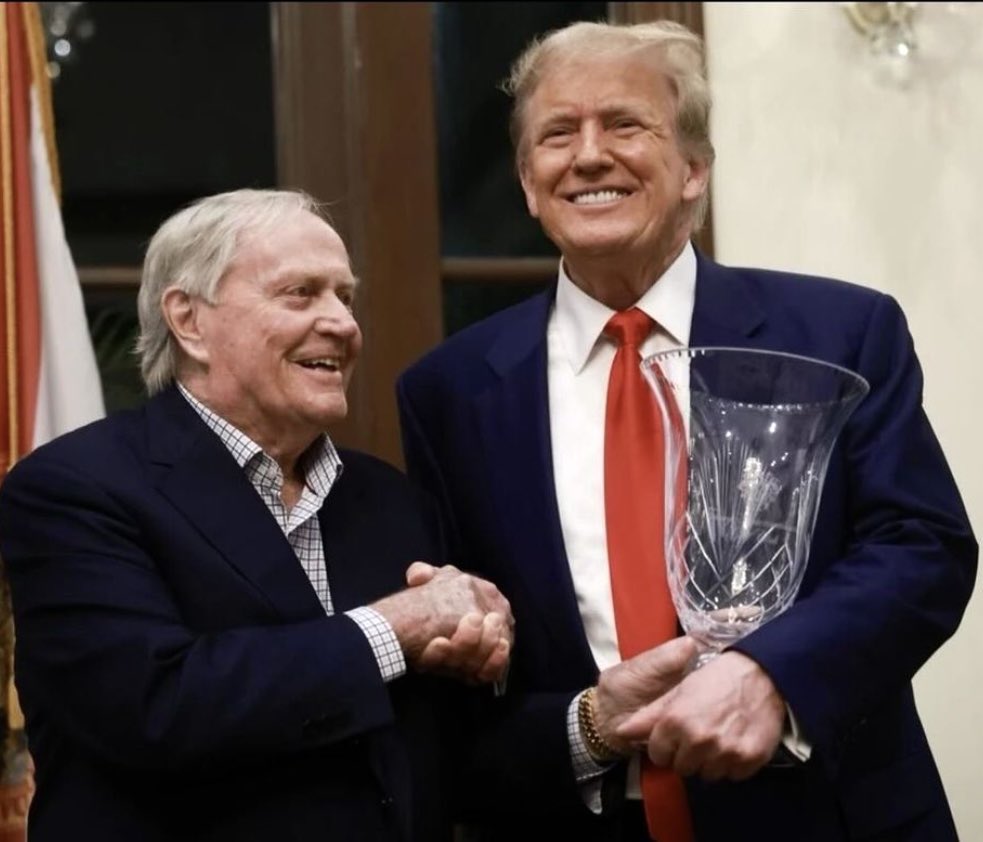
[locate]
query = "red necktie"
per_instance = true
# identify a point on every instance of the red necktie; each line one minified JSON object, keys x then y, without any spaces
{"x":634,"y":472}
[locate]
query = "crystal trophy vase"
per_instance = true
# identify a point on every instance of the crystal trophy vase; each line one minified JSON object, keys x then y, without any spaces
{"x":748,"y":436}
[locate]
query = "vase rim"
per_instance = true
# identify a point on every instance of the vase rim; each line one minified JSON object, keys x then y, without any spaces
{"x":702,"y":350}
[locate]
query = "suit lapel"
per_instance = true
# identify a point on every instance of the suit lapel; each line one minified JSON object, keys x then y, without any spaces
{"x":359,"y":569}
{"x":198,"y":475}
{"x":353,"y":581}
{"x":725,"y":312}
{"x":514,"y":427}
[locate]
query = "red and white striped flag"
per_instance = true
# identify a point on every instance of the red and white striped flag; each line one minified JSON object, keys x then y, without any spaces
{"x":48,"y":375}
{"x":49,"y":383}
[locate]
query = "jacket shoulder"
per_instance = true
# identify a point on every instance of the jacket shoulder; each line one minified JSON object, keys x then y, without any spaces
{"x":804,"y":290}
{"x":91,"y":449}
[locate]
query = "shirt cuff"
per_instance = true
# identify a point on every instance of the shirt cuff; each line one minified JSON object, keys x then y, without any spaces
{"x":586,"y":769}
{"x":793,"y":740}
{"x":382,"y":638}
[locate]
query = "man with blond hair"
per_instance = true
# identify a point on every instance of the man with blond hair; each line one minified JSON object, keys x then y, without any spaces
{"x":804,"y":730}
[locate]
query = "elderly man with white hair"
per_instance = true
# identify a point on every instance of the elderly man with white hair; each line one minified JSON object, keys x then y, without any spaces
{"x":215,"y":637}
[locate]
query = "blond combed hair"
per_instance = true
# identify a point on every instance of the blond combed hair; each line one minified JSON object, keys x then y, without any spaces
{"x":681,"y":60}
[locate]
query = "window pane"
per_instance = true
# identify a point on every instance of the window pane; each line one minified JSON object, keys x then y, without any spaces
{"x":465,"y":303}
{"x":113,"y":324}
{"x":162,"y":103}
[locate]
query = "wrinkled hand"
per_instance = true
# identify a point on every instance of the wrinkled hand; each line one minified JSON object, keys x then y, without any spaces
{"x":451,"y":622}
{"x":625,"y":687}
{"x":480,"y":647}
{"x":723,"y":720}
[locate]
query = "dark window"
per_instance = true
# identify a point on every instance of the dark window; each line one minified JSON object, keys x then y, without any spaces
{"x":160,"y":104}
{"x":465,"y":303}
{"x":112,"y":315}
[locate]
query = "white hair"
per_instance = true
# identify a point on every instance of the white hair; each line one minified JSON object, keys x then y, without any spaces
{"x":192,"y":251}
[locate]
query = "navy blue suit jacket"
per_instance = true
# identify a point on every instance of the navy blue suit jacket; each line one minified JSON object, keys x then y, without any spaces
{"x":891,"y":568}
{"x":179,"y":676}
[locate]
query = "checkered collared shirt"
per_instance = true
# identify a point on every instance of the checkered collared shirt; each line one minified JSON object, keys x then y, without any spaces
{"x":300,"y":525}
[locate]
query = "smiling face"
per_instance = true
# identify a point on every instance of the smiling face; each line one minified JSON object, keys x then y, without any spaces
{"x":601,"y":166}
{"x":276,"y":349}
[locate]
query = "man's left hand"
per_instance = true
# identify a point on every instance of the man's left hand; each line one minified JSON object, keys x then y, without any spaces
{"x":723,"y":720}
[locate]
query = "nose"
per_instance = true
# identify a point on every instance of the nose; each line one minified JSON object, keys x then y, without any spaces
{"x":591,"y":152}
{"x":336,"y":319}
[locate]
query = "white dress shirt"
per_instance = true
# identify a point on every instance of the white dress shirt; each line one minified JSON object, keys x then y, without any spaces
{"x":578,"y":367}
{"x":579,"y":363}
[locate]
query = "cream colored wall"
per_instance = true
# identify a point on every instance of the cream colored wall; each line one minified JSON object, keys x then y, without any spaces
{"x":824,"y":168}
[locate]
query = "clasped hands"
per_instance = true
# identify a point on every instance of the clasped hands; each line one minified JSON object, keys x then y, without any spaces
{"x":722,"y":721}
{"x":451,"y":622}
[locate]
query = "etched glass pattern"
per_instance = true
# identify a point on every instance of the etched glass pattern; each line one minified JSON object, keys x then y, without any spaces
{"x":748,"y":439}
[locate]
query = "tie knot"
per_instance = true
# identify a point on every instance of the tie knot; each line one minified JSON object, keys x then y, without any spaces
{"x":629,"y":327}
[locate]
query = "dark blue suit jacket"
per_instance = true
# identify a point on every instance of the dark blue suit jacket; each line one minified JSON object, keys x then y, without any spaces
{"x":891,"y":569}
{"x":179,"y":676}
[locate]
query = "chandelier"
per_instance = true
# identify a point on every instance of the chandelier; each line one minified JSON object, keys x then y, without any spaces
{"x":66,"y":25}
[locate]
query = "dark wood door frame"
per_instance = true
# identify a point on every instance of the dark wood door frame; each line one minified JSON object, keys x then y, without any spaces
{"x":355,"y":128}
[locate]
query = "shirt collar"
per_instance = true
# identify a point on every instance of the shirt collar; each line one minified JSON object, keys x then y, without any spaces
{"x":321,"y":463}
{"x":580,"y":319}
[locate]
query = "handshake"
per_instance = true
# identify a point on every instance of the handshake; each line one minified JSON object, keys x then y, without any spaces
{"x":725,"y":720}
{"x":451,"y":622}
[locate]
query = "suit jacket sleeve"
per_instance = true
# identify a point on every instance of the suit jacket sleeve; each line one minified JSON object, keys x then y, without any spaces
{"x":896,"y":588}
{"x":104,"y":651}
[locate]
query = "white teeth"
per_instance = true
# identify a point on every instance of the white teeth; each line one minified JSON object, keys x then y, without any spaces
{"x":330,"y":363}
{"x":598,"y":197}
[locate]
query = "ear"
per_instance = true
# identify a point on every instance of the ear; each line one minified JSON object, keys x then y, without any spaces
{"x":182,"y":314}
{"x":697,"y":179}
{"x":528,"y":189}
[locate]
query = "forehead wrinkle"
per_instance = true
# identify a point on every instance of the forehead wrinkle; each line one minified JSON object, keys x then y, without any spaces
{"x":600,"y":103}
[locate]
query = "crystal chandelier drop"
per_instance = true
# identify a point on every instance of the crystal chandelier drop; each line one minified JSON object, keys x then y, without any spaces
{"x":890,"y":33}
{"x":66,"y":25}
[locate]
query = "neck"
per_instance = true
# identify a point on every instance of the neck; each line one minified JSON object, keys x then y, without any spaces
{"x":287,"y":456}
{"x":291,"y":492}
{"x":619,"y":282}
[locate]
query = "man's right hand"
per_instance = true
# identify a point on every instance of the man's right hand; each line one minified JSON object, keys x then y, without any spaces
{"x":451,"y":622}
{"x":625,"y":687}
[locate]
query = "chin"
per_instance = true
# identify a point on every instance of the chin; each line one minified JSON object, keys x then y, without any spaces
{"x":325,"y":417}
{"x":600,"y":248}
{"x":596,"y":241}
{"x":336,"y":416}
